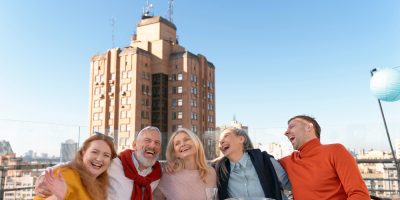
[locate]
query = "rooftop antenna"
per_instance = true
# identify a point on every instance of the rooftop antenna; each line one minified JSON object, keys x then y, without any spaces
{"x":170,"y":10}
{"x":147,"y":9}
{"x":112,"y":32}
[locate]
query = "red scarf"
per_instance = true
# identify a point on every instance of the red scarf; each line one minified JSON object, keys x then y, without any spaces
{"x":139,"y":181}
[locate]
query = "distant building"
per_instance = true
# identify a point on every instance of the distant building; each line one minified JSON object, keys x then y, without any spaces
{"x":380,"y":178}
{"x":234,"y":123}
{"x":153,"y":81}
{"x":11,"y":182}
{"x":68,"y":150}
{"x":5,"y":148}
{"x":278,"y":150}
{"x":397,"y":148}
{"x":6,"y":152}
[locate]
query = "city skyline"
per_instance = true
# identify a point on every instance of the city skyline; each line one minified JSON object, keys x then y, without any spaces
{"x":273,"y":60}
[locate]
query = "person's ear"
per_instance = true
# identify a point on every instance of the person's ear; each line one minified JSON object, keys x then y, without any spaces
{"x":309,"y":127}
{"x":242,"y":139}
{"x":134,"y":145}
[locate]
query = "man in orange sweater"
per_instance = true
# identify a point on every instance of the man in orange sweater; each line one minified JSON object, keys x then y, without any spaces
{"x":319,"y":171}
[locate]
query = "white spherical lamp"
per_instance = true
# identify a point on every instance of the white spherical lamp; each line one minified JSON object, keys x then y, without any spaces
{"x":385,"y":84}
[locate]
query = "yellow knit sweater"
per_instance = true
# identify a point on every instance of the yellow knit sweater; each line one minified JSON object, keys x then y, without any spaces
{"x":75,"y":188}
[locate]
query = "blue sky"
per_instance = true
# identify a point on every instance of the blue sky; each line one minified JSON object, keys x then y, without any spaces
{"x":273,"y":59}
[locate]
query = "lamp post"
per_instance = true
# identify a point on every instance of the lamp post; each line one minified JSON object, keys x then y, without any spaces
{"x":386,"y":86}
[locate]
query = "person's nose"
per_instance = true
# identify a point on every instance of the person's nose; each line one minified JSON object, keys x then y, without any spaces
{"x":286,"y":133}
{"x":100,"y":157}
{"x":152,"y":144}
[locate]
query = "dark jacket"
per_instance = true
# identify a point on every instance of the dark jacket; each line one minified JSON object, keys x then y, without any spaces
{"x":265,"y":171}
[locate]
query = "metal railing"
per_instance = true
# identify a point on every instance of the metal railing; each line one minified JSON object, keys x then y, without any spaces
{"x":373,"y":191}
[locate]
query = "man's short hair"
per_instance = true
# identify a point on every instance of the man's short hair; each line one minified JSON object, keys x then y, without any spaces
{"x":311,"y":120}
{"x":146,"y":129}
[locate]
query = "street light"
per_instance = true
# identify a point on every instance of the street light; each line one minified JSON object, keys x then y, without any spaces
{"x":385,"y":84}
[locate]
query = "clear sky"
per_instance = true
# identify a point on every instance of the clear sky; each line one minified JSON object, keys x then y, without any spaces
{"x":273,"y":60}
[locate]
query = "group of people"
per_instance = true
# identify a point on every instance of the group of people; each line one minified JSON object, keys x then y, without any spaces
{"x":312,"y":171}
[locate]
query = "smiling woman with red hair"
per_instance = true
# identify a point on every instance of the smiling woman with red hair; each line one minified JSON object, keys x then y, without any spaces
{"x":86,"y":176}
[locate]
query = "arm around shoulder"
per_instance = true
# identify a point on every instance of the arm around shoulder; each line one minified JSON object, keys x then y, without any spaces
{"x":158,"y":195}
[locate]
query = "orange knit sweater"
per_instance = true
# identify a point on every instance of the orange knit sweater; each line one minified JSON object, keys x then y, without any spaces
{"x":321,"y":172}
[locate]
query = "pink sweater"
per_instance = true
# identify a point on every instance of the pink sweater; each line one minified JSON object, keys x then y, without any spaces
{"x":183,"y":185}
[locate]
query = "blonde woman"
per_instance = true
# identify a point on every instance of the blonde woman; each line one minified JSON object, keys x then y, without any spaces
{"x":185,"y":155}
{"x":86,"y":176}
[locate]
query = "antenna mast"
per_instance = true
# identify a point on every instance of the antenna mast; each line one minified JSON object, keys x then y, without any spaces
{"x":170,"y":10}
{"x":147,"y":9}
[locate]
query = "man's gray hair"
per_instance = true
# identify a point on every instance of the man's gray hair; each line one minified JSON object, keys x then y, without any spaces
{"x":147,"y":129}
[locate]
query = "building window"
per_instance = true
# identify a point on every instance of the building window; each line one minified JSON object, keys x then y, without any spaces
{"x":173,"y":128}
{"x":97,"y":91}
{"x":180,"y":89}
{"x":123,"y":87}
{"x":96,"y":103}
{"x":180,"y":77}
{"x":172,"y":77}
{"x":194,"y":128}
{"x":177,"y":102}
{"x":123,"y":101}
{"x":194,"y":115}
{"x":122,"y":140}
{"x":124,"y":75}
{"x":143,"y":75}
{"x":194,"y":103}
{"x":123,"y":127}
{"x":210,"y":118}
{"x":174,"y":103}
{"x":194,"y":90}
{"x":174,"y":115}
{"x":95,"y":116}
{"x":143,"y":89}
{"x":210,"y":106}
{"x":123,"y":114}
{"x":193,"y":78}
{"x":180,"y":115}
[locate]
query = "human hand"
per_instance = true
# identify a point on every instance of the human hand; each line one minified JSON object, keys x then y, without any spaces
{"x":41,"y":188}
{"x":56,"y":185}
{"x":169,"y":168}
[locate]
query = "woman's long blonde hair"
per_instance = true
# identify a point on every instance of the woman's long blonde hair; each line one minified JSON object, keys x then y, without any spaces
{"x":200,"y":158}
{"x":95,"y":186}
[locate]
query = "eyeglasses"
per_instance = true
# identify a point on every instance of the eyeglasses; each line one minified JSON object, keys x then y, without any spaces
{"x":103,"y":136}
